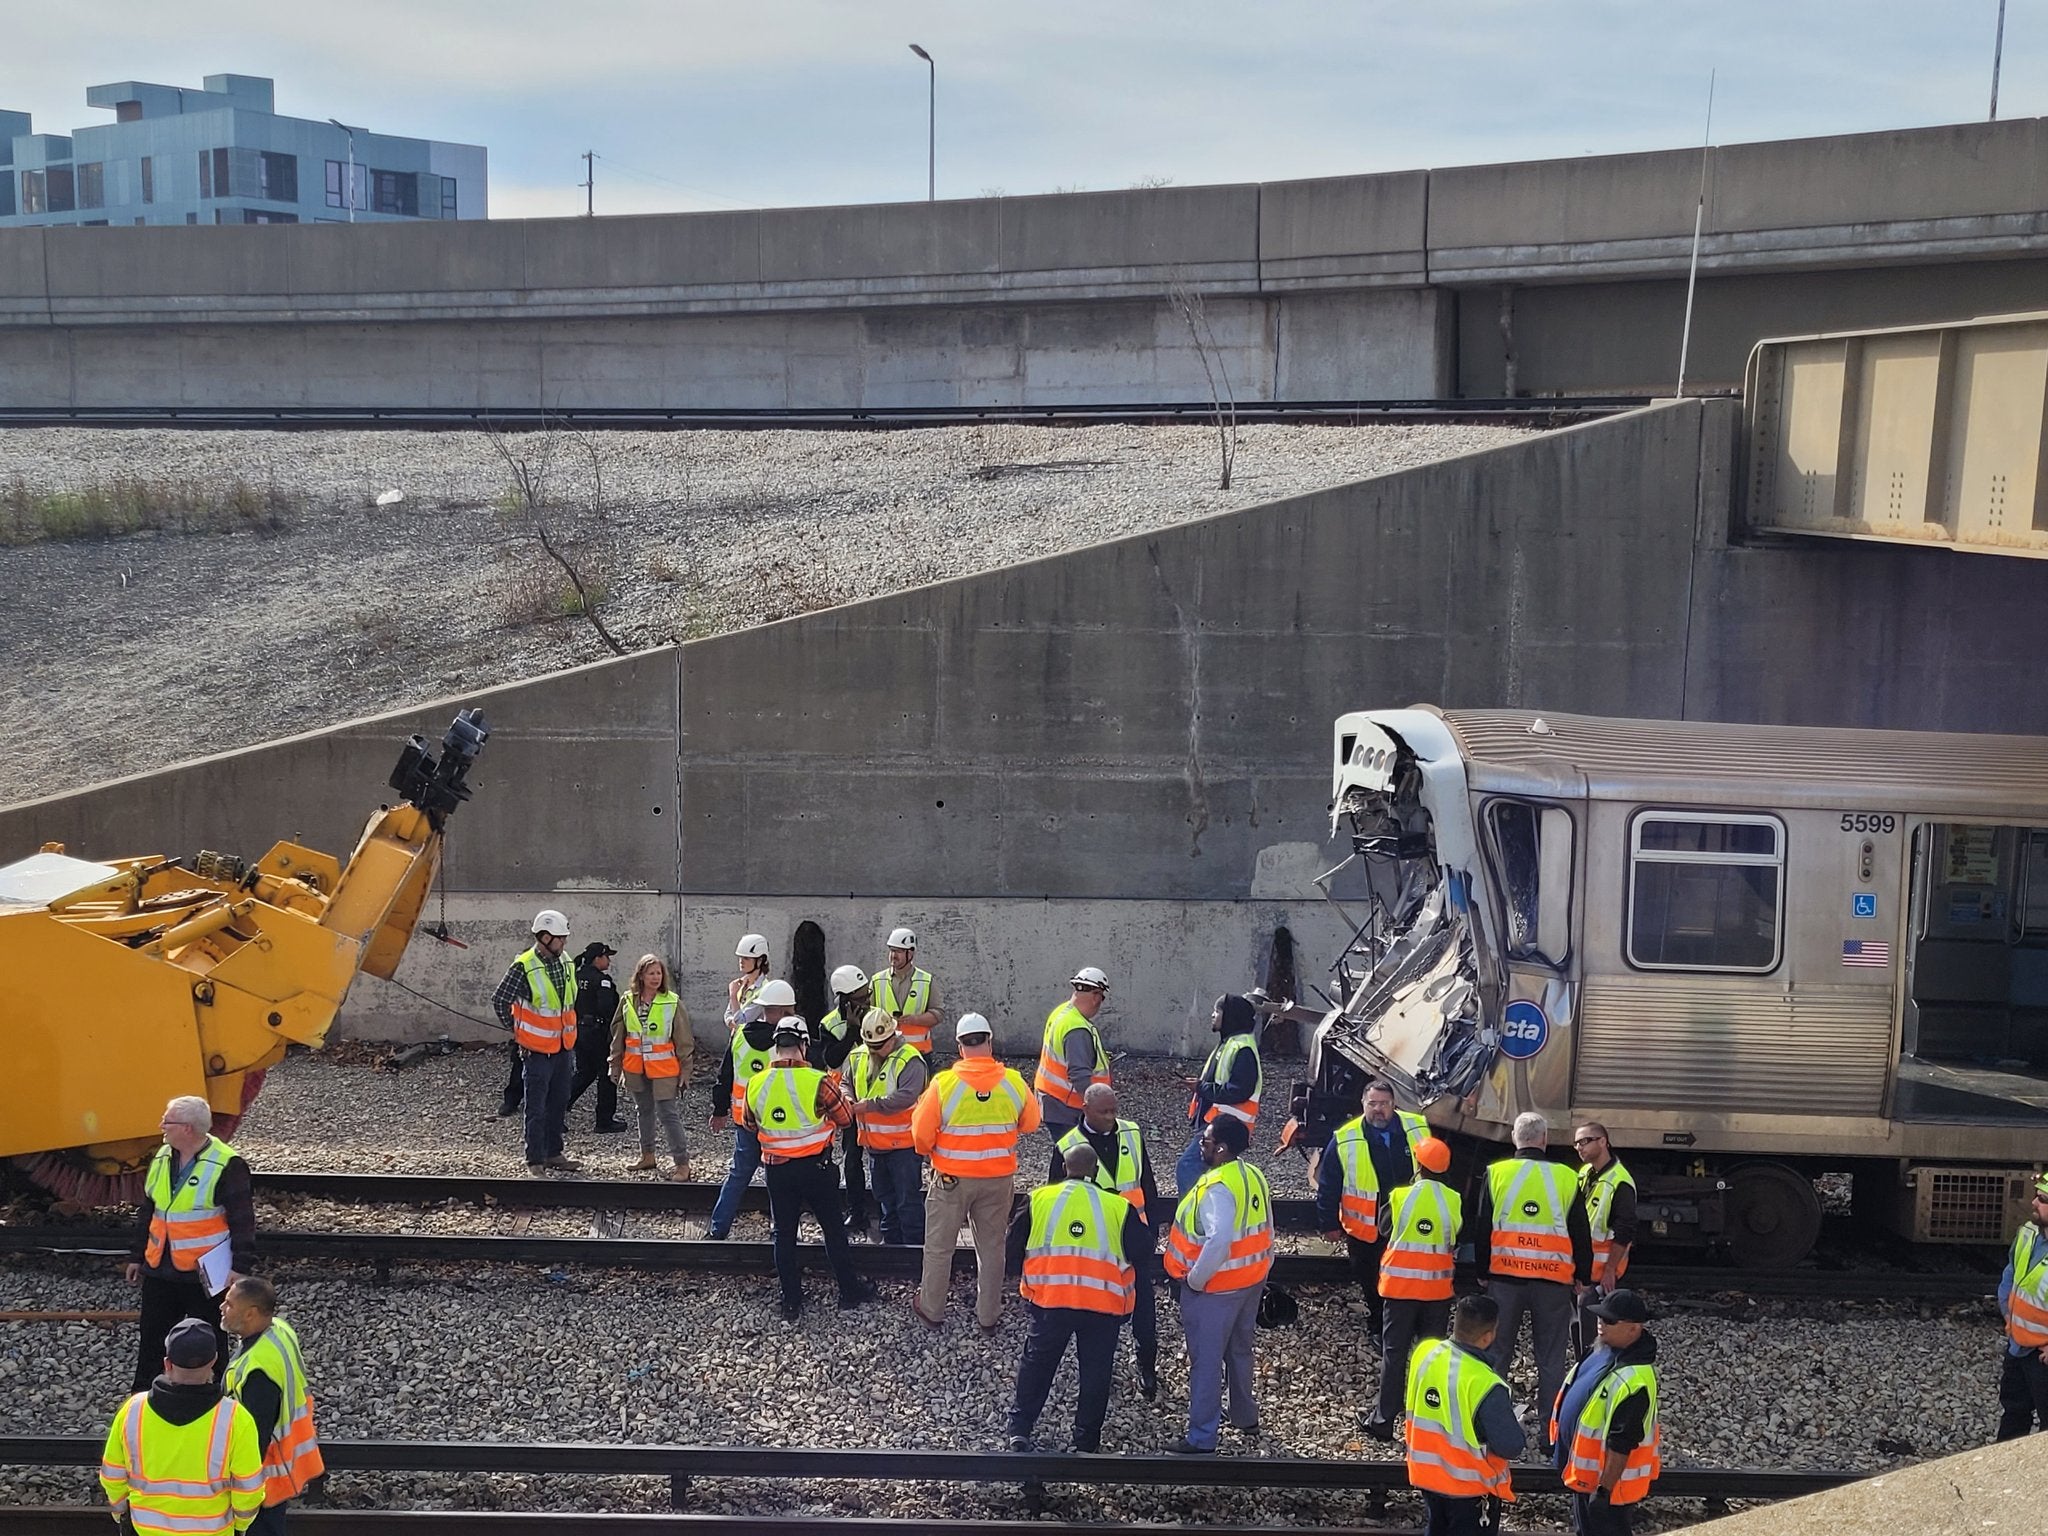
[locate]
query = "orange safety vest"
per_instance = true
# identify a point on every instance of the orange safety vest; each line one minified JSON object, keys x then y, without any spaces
{"x":541,"y":1021}
{"x":1446,"y":1385}
{"x":1358,"y":1209}
{"x":977,"y":1136}
{"x":1532,"y":1201}
{"x":917,"y":998}
{"x":1249,"y":1258}
{"x":651,"y":1044}
{"x":1599,"y":1189}
{"x":2026,"y":1304}
{"x":784,"y":1100}
{"x":1129,"y":1178}
{"x":1052,"y":1079}
{"x":1588,"y":1458}
{"x":1422,"y":1238}
{"x":292,"y":1459}
{"x":1221,"y":1062}
{"x":187,"y":1220}
{"x":878,"y":1132}
{"x":1075,"y":1254}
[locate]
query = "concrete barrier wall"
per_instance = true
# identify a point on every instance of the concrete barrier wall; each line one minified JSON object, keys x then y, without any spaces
{"x":1116,"y":756}
{"x":1364,"y":276}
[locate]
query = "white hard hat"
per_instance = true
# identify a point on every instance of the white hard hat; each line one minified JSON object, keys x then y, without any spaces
{"x":551,"y":921}
{"x":848,"y":978}
{"x":877,"y":1026}
{"x":1090,"y":976}
{"x":794,"y":1027}
{"x":776,"y":994}
{"x":971,"y":1024}
{"x":751,"y":947}
{"x":902,"y":938}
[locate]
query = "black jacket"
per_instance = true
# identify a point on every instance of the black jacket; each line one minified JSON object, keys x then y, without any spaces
{"x":263,"y":1397}
{"x":1137,"y":1236}
{"x":1109,"y":1153}
{"x":1625,"y":1427}
{"x":1238,"y":1019}
{"x":177,"y":1402}
{"x":597,"y":1002}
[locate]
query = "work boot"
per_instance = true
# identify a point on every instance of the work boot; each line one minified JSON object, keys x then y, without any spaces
{"x":1148,"y":1382}
{"x":1021,"y":1443}
{"x":562,"y":1164}
{"x":790,"y":1310}
{"x":647,"y":1160}
{"x":607,"y":1127}
{"x":507,"y":1108}
{"x":537,"y":1169}
{"x":862,"y":1293}
{"x":681,"y":1175}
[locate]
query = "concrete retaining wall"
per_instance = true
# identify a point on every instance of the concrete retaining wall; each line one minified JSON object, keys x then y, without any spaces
{"x":1116,"y":756}
{"x":1349,"y":287}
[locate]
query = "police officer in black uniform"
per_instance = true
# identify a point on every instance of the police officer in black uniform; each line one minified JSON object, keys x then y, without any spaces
{"x":597,"y":1001}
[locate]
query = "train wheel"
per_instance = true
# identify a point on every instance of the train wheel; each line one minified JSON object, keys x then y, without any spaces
{"x":1773,"y":1215}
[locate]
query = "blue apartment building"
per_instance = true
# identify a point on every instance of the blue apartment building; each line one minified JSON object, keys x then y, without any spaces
{"x":222,"y":155}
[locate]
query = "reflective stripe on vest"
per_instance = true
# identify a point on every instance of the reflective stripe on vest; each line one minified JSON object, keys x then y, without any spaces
{"x":1588,"y":1457}
{"x":651,"y":1043}
{"x":1250,"y":1256}
{"x":1217,"y":1070}
{"x":292,"y":1458}
{"x":1052,"y":1079}
{"x":1599,"y":1192}
{"x":177,"y":1479}
{"x":186,"y":1220}
{"x":748,"y":1062}
{"x":883,"y":1133}
{"x":2026,"y":1321}
{"x":784,"y":1100}
{"x":917,"y":999}
{"x":1532,"y":1200}
{"x":977,"y":1136}
{"x":544,"y":1021}
{"x":1129,"y":1178}
{"x":1446,"y":1385}
{"x":1074,"y":1256}
{"x":1422,"y":1238}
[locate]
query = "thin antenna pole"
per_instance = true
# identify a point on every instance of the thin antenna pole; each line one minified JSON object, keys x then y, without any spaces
{"x":1699,"y":218}
{"x":1997,"y":56}
{"x":589,"y":183}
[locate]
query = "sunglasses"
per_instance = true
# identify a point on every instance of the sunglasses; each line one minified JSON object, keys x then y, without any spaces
{"x":1587,"y":1141}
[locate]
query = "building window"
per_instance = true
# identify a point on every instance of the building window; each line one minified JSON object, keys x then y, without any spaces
{"x":266,"y":216}
{"x":6,"y":195}
{"x":337,"y":173}
{"x":191,"y":218}
{"x":35,"y":193}
{"x":148,"y":179}
{"x":92,"y":185}
{"x":395,"y":192}
{"x":63,"y":189}
{"x":127,"y":111}
{"x":278,"y":176}
{"x":206,"y":173}
{"x":214,"y":178}
{"x":1704,"y":891}
{"x":90,"y":223}
{"x":448,"y":197}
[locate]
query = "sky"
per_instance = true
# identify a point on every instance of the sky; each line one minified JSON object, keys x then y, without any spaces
{"x":769,"y":103}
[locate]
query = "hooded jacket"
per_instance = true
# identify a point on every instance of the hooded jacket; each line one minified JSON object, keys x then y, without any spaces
{"x":761,"y":1036}
{"x":1239,"y":1018}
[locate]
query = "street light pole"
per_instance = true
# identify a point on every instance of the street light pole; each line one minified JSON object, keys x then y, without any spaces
{"x":348,"y":192}
{"x":1997,"y":56}
{"x":931,"y":154}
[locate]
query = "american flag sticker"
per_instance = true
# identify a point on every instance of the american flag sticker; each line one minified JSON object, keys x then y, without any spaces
{"x":1865,"y":952}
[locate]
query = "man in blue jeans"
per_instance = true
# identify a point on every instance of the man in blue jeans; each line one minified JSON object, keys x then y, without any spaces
{"x":751,"y":1051}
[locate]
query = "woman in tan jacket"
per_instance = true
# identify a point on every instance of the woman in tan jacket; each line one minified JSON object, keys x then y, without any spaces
{"x":650,"y":1059}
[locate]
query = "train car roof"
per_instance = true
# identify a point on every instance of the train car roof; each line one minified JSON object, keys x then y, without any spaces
{"x":1698,"y":762}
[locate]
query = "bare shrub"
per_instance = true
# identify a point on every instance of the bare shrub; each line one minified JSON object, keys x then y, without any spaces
{"x":529,"y":504}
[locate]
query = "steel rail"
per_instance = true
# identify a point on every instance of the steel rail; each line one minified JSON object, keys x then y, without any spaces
{"x":384,"y":1249}
{"x":806,"y":1463}
{"x":317,"y":1520}
{"x":1558,"y":409}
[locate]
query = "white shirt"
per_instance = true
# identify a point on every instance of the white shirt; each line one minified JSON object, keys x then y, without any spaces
{"x":1215,"y":1229}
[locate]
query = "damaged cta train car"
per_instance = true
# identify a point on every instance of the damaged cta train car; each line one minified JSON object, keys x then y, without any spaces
{"x":1758,"y":954}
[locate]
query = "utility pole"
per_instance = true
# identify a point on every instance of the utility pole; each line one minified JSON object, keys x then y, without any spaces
{"x":589,"y":183}
{"x":1997,"y":55}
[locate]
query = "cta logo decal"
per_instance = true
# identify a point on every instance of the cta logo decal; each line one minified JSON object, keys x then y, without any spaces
{"x":1524,"y":1030}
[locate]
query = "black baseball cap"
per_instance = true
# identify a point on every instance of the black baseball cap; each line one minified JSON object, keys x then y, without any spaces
{"x":191,"y":1343}
{"x":1622,"y":1307}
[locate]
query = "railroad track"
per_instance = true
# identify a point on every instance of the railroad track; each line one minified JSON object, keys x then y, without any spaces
{"x":387,"y":1249}
{"x":683,"y":1466}
{"x":1538,"y":412}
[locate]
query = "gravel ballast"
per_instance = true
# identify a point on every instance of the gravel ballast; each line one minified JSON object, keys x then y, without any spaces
{"x":699,"y":533}
{"x":522,"y":1353}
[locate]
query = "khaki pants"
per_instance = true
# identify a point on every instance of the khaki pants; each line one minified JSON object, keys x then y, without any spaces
{"x":984,"y":1204}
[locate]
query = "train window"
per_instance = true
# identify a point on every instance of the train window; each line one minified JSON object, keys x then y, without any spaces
{"x":1704,"y":891}
{"x":1532,"y":864}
